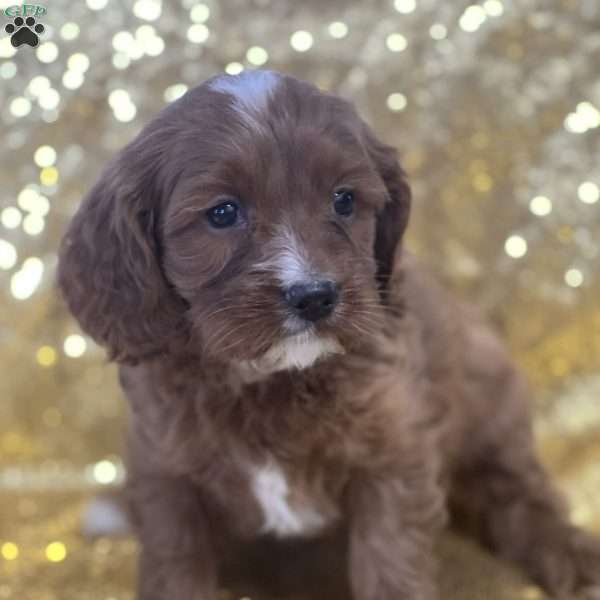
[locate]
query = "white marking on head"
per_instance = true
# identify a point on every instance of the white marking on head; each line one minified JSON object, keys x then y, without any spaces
{"x":251,"y":90}
{"x":270,"y":488}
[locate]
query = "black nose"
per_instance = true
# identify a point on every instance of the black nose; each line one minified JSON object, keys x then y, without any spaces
{"x":312,"y":300}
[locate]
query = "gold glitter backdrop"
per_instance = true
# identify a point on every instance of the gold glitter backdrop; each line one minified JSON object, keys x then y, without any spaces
{"x":494,"y":106}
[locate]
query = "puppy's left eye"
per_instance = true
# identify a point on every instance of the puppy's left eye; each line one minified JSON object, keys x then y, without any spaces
{"x":223,"y":215}
{"x":343,"y":202}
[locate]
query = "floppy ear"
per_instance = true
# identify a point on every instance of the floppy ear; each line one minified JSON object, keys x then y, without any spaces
{"x":393,"y":218}
{"x":109,"y":271}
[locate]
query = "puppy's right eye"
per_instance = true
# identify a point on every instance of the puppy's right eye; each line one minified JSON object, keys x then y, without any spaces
{"x":223,"y":215}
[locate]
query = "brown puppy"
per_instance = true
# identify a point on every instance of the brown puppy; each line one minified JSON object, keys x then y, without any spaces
{"x":291,"y":371}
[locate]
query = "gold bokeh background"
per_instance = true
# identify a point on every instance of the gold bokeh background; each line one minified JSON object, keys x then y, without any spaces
{"x":493,"y":105}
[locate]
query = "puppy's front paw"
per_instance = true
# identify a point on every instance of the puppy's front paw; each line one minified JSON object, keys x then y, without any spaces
{"x":568,"y":567}
{"x":586,"y":559}
{"x":591,"y":593}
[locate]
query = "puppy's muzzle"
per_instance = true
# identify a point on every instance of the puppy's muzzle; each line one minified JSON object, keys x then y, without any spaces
{"x":312,"y":300}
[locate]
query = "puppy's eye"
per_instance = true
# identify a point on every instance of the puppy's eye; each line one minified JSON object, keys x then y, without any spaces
{"x":223,"y":215}
{"x":343,"y":202}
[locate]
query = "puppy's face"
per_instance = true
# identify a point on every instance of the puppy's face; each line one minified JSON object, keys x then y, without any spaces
{"x":268,"y":209}
{"x":269,"y":236}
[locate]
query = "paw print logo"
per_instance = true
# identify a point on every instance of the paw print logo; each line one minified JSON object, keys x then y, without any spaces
{"x":24,"y":32}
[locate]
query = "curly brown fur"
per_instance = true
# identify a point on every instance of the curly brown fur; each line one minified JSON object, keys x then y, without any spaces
{"x":253,"y":426}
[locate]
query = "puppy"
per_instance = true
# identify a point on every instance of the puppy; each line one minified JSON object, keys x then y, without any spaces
{"x":292,"y":373}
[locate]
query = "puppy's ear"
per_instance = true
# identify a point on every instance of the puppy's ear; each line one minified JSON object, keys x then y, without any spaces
{"x":393,"y":218}
{"x":108,"y":262}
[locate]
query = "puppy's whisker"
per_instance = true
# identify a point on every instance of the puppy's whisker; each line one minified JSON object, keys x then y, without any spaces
{"x":233,"y":331}
{"x":365,"y":328}
{"x":359,"y":311}
{"x":219,"y":311}
{"x":362,"y":330}
{"x":228,"y":348}
{"x":219,"y":336}
{"x":226,"y":324}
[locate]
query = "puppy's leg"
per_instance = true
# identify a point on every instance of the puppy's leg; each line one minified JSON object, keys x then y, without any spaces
{"x":177,"y":559}
{"x":502,"y":491}
{"x":393,"y":527}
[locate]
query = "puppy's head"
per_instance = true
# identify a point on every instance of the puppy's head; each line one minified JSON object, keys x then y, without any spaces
{"x":256,"y":219}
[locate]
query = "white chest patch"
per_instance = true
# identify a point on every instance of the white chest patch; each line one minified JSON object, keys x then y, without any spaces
{"x":271,"y":490}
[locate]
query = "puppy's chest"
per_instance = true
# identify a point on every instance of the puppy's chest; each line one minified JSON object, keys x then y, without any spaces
{"x":291,"y":503}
